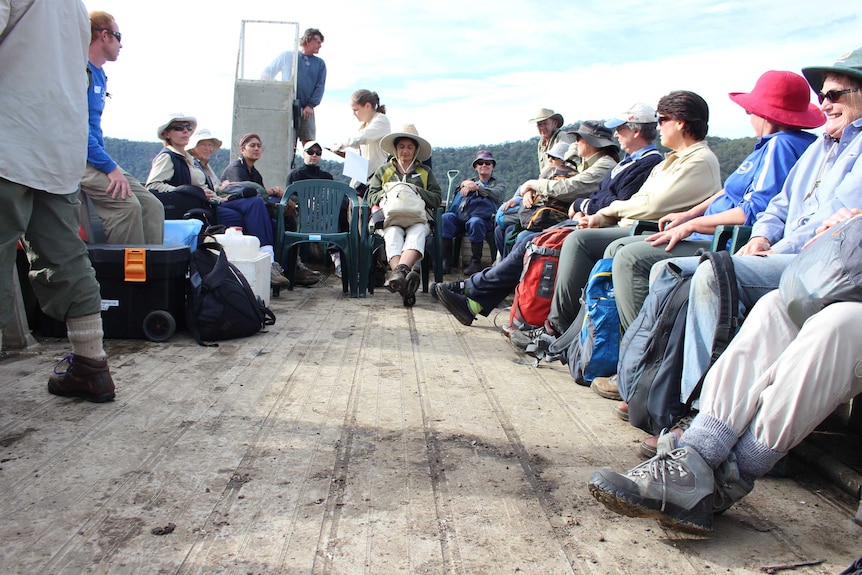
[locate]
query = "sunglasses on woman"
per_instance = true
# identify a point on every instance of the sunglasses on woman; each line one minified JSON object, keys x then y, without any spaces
{"x":834,"y":95}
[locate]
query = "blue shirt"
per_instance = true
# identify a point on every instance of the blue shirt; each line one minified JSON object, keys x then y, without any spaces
{"x":825,"y":179}
{"x":760,"y":176}
{"x":96,"y":93}
{"x":310,"y":80}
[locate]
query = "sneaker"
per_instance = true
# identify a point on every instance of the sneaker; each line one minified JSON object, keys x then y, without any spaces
{"x":87,"y":378}
{"x":276,"y":276}
{"x":621,"y":410}
{"x":305,"y":277}
{"x":397,"y":278}
{"x":607,"y":387}
{"x":457,"y":287}
{"x":649,"y":445}
{"x":455,"y":303}
{"x":674,"y":487}
{"x":542,"y":342}
{"x":521,"y":339}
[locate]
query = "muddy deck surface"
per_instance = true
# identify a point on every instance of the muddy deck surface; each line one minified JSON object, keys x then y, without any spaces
{"x":355,"y":436}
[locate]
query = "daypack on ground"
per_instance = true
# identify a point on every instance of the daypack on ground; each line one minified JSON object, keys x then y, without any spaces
{"x":536,"y":288}
{"x":220,"y":303}
{"x":651,"y":351}
{"x":595,"y":351}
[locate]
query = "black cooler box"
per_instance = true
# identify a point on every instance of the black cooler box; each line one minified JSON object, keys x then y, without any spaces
{"x":143,"y":289}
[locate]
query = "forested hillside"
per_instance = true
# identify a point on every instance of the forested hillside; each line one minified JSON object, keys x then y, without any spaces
{"x":516,"y":161}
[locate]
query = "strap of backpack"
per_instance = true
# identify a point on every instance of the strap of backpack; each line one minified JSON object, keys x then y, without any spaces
{"x":728,"y":303}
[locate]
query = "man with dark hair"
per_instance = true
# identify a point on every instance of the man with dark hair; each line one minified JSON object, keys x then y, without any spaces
{"x":129,"y":212}
{"x":41,"y":162}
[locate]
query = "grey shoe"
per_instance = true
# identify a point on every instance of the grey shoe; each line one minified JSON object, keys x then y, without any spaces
{"x":397,"y":278}
{"x":457,"y":287}
{"x":276,"y":276}
{"x":729,"y":486}
{"x":674,"y":487}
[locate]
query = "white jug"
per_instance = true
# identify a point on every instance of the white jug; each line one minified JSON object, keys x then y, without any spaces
{"x":238,"y":246}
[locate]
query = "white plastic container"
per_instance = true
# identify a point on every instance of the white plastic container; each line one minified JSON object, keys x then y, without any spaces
{"x":257,"y":273}
{"x":238,"y":246}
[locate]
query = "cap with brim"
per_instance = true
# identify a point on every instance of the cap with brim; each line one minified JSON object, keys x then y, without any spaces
{"x":202,"y":135}
{"x":559,"y":150}
{"x":849,"y":65}
{"x":595,"y":134}
{"x":544,"y":114}
{"x":173,"y":118}
{"x":387,"y":144}
{"x":310,"y":144}
{"x":782,"y":98}
{"x":640,"y":113}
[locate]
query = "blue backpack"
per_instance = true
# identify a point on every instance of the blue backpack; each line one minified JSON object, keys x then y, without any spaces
{"x":594,"y":351}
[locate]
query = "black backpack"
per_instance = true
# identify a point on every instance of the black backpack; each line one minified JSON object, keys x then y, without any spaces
{"x":651,"y":351}
{"x":220,"y":303}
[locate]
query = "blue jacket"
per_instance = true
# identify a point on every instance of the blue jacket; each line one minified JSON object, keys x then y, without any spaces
{"x":622,"y":181}
{"x":826,"y":178}
{"x":760,"y":176}
{"x":310,"y":80}
{"x":96,"y":93}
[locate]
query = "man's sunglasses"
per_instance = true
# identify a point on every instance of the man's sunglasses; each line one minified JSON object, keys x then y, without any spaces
{"x":484,"y":163}
{"x":314,"y":152}
{"x":113,"y":33}
{"x":834,"y":95}
{"x":181,"y":127}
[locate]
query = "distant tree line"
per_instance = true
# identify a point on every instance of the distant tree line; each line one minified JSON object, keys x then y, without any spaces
{"x":516,"y":161}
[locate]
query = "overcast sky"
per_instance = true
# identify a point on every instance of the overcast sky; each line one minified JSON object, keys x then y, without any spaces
{"x":470,"y":73}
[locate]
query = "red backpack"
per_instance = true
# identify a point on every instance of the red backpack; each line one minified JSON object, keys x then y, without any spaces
{"x":536,"y":288}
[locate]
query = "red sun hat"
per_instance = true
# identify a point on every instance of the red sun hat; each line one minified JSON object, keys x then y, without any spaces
{"x":783,"y":98}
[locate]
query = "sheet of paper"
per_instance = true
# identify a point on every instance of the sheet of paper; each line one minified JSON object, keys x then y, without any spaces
{"x":355,"y":166}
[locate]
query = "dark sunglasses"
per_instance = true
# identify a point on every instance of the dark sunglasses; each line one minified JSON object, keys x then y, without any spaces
{"x":484,"y":163}
{"x":181,"y":127}
{"x":113,"y":33}
{"x":314,"y":152}
{"x":662,"y":119}
{"x":834,"y":95}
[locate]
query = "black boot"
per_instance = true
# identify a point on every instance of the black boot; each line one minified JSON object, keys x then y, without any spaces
{"x":447,"y":255}
{"x":475,"y":259}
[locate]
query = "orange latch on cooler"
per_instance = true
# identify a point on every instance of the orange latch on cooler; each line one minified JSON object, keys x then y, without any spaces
{"x":135,"y":264}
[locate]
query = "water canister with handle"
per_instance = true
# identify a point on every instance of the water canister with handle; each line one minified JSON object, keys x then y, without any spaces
{"x":238,"y":246}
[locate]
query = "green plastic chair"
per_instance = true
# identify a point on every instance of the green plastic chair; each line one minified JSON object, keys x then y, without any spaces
{"x":318,"y":207}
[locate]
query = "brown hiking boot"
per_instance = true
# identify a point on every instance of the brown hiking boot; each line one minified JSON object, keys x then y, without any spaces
{"x":607,"y":387}
{"x":86,"y":378}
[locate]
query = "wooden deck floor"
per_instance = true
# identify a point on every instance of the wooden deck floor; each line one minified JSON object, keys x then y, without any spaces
{"x":355,"y":436}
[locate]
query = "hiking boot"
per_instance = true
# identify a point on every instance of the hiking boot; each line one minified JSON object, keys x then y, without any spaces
{"x":455,"y":303}
{"x":674,"y":487}
{"x":276,"y":276}
{"x":411,"y":284}
{"x":397,"y":278}
{"x":729,"y":486}
{"x":86,"y":378}
{"x":474,"y":267}
{"x":649,"y":445}
{"x":305,"y":277}
{"x":607,"y":387}
{"x":621,"y":410}
{"x":457,"y":287}
{"x":308,"y":270}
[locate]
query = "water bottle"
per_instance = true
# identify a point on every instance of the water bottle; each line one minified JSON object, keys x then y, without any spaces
{"x":238,"y":246}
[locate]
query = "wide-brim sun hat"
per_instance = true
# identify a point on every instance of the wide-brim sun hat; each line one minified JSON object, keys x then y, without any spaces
{"x":203,"y":135}
{"x":544,"y":114}
{"x":176,"y":117}
{"x":387,"y":143}
{"x":782,"y":98}
{"x":484,"y":155}
{"x":850,"y":65}
{"x":595,"y":134}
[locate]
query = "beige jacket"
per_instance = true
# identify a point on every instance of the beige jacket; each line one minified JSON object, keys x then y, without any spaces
{"x":682,"y":180}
